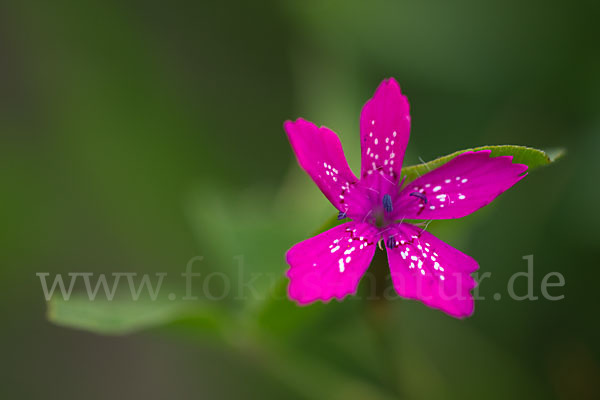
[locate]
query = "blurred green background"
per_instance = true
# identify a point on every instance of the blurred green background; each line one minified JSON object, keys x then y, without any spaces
{"x":136,"y":135}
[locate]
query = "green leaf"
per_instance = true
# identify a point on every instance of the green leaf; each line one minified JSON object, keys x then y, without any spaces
{"x":119,"y":317}
{"x":533,"y":158}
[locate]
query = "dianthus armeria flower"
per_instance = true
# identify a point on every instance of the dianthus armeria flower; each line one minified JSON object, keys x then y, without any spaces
{"x":422,"y":266}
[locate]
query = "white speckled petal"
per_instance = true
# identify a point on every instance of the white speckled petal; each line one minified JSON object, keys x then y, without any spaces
{"x":320,"y":154}
{"x":330,"y":264}
{"x":425,"y":268}
{"x":384,"y":131}
{"x":459,"y":187}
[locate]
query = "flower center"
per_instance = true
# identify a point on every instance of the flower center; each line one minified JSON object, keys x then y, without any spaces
{"x":381,"y":216}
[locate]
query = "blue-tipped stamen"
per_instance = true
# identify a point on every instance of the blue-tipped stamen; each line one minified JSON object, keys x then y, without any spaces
{"x":391,"y":242}
{"x":342,"y":215}
{"x":387,"y":203}
{"x":419,"y":195}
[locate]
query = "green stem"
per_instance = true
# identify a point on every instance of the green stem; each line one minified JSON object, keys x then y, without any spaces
{"x":378,"y":317}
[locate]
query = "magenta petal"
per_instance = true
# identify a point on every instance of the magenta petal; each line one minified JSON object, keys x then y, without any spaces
{"x":330,"y":264}
{"x":427,"y":269}
{"x":384,"y":131}
{"x":320,"y":154}
{"x":459,"y":187}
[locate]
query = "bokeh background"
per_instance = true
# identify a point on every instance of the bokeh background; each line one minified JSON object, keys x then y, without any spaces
{"x":136,"y":135}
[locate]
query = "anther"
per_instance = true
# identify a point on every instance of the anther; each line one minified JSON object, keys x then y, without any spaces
{"x":387,"y":203}
{"x":391,"y":242}
{"x":342,"y":215}
{"x":419,"y":195}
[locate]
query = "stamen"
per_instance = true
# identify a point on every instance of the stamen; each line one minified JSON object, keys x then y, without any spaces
{"x":391,"y":243}
{"x":419,"y":195}
{"x":387,"y":203}
{"x":341,"y":215}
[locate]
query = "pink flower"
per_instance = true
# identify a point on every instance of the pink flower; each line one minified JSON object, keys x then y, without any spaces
{"x":422,"y":267}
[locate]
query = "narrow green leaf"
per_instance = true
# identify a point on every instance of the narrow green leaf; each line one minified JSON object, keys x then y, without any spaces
{"x":119,"y":317}
{"x":533,"y":158}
